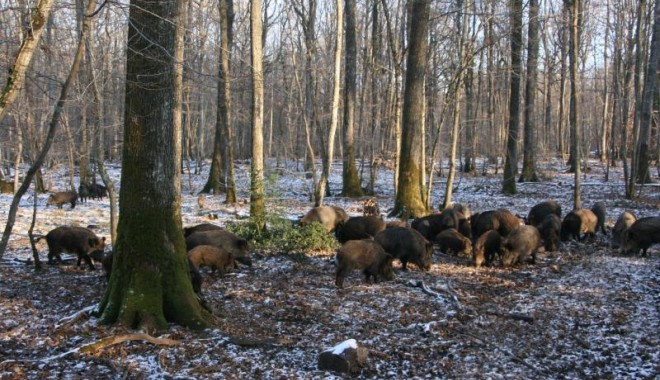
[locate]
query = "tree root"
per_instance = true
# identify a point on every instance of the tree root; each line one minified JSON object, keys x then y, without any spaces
{"x":112,"y":340}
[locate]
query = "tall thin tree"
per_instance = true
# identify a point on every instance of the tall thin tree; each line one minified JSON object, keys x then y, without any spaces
{"x":530,"y":142}
{"x":257,"y":200}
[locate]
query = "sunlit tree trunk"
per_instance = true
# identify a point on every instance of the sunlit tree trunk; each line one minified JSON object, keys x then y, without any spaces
{"x":327,"y":160}
{"x":31,"y":37}
{"x":150,"y":282}
{"x":257,"y":201}
{"x":410,"y":193}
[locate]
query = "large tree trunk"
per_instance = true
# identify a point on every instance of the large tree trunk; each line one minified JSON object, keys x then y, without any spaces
{"x":31,"y":38}
{"x":530,"y":141}
{"x":150,"y":282}
{"x":646,"y":108}
{"x":511,"y":160}
{"x":257,"y":201}
{"x":351,"y":181}
{"x":410,"y":193}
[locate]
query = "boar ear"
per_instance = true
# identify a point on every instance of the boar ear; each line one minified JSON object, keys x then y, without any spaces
{"x":242,"y":243}
{"x":103,"y":239}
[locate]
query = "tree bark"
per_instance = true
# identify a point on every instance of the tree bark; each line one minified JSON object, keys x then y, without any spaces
{"x":257,"y":200}
{"x":530,"y":144}
{"x":511,"y":160}
{"x":410,"y":193}
{"x":351,"y":182}
{"x":575,"y":24}
{"x":327,"y":160}
{"x":150,"y":282}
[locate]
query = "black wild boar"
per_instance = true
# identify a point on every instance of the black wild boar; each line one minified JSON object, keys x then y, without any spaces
{"x":540,"y":210}
{"x":626,"y":219}
{"x":363,"y":254}
{"x":195,"y":276}
{"x":464,"y":225}
{"x":62,"y":197}
{"x":78,"y":240}
{"x":222,"y":239}
{"x":212,"y":257}
{"x":407,"y":245}
{"x":641,"y":235}
{"x":187,"y":231}
{"x":601,"y":214}
{"x":329,"y":216}
{"x":452,"y":241}
{"x":97,"y":191}
{"x":486,"y":248}
{"x":359,"y":227}
{"x":550,"y":228}
{"x":578,"y":222}
{"x":431,"y":225}
{"x":500,"y":220}
{"x":520,"y":245}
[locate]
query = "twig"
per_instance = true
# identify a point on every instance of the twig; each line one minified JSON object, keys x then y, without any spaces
{"x":75,"y":317}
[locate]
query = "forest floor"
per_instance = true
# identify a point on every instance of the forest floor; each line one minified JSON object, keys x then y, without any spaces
{"x":586,"y":311}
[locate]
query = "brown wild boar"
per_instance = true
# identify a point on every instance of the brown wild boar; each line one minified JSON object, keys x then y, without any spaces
{"x":62,"y":197}
{"x":407,"y":245}
{"x":521,"y":245}
{"x":212,"y":257}
{"x":487,"y":248}
{"x":224,"y":240}
{"x":626,"y":219}
{"x":359,"y":227}
{"x":641,"y":235}
{"x":452,"y":241}
{"x":366,"y":255}
{"x":329,"y":216}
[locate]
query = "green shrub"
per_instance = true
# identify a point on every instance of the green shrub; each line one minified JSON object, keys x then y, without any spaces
{"x":281,"y":237}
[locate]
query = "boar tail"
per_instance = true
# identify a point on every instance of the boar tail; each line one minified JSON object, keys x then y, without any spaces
{"x":38,"y":237}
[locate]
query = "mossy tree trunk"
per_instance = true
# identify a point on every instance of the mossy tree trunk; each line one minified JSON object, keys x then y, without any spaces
{"x":409,"y":195}
{"x":150,"y":283}
{"x":351,"y":181}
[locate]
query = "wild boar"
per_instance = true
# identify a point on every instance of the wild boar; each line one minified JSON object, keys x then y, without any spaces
{"x":71,"y":239}
{"x":329,"y":216}
{"x":370,"y":207}
{"x":601,"y":214}
{"x":550,"y":228}
{"x":452,"y":241}
{"x":578,"y":222}
{"x":521,"y":245}
{"x":62,"y":197}
{"x":500,"y":220}
{"x":224,"y":240}
{"x":407,"y":245}
{"x":540,"y":210}
{"x":359,"y":227}
{"x":212,"y":257}
{"x":187,"y":231}
{"x":626,"y":219}
{"x":641,"y":235}
{"x":431,"y":225}
{"x":366,"y":255}
{"x":486,"y":248}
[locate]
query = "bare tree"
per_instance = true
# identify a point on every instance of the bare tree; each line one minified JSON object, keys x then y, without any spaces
{"x":327,"y":159}
{"x":530,"y":144}
{"x":574,"y":8}
{"x":511,"y":160}
{"x":351,"y":182}
{"x":257,"y":201}
{"x":37,"y":23}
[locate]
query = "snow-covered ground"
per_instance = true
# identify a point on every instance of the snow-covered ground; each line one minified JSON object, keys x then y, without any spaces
{"x":584,"y":312}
